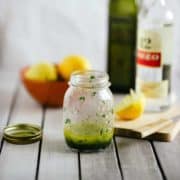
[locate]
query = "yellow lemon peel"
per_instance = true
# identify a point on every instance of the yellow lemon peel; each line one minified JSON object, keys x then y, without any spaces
{"x":42,"y":71}
{"x":131,"y":106}
{"x":72,"y":63}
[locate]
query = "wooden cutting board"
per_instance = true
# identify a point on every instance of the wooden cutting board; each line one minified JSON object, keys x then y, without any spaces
{"x":153,"y":126}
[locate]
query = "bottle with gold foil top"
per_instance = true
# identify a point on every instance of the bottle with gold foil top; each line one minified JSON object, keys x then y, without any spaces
{"x":154,"y":54}
{"x":122,"y":44}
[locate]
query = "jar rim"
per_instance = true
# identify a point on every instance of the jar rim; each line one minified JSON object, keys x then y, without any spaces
{"x":89,"y":79}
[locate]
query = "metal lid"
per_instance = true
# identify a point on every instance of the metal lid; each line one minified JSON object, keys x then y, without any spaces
{"x":22,"y":133}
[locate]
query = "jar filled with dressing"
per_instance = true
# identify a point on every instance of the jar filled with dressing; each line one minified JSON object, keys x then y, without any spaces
{"x":88,"y":111}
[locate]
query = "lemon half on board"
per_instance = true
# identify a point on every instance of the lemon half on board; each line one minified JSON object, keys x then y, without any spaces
{"x":131,"y":106}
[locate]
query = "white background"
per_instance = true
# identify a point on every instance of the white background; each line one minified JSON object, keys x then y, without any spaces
{"x":31,"y":30}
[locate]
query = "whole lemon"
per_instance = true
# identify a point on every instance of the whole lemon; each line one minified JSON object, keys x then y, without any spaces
{"x":42,"y":71}
{"x":72,"y":63}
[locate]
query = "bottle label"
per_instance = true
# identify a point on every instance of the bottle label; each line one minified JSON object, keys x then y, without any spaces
{"x":154,"y":56}
{"x":149,"y":48}
{"x":152,"y":59}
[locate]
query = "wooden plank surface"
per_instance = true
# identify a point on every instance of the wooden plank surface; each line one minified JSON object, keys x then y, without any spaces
{"x":100,"y":166}
{"x":168,"y":156}
{"x":57,"y":160}
{"x":20,"y":161}
{"x":137,"y":160}
{"x":7,"y":93}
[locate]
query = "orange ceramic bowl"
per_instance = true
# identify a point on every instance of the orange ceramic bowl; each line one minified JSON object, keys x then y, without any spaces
{"x":49,"y":94}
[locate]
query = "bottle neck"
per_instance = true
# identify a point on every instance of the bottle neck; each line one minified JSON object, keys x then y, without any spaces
{"x":123,"y":7}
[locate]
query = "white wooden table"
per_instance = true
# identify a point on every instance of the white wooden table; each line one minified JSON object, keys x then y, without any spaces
{"x":50,"y":159}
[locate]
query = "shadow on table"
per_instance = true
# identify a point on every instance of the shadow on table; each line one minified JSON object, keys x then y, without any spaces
{"x":57,"y":144}
{"x":53,"y":144}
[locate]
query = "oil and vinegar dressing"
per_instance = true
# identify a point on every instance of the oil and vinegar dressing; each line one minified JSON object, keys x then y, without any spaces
{"x":88,"y":135}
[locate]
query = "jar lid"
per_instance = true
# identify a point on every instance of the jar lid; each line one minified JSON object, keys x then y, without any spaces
{"x":22,"y":133}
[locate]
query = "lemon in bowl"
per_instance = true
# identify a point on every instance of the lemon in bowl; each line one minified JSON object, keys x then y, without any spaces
{"x":72,"y":63}
{"x":42,"y":71}
{"x":42,"y":82}
{"x":131,"y":107}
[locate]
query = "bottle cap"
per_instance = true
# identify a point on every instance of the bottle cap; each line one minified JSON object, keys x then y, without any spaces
{"x":22,"y":133}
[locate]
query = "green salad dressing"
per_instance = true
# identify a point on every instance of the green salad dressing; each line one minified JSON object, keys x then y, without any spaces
{"x":88,"y":135}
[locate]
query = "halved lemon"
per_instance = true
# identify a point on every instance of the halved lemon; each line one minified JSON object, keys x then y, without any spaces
{"x":131,"y":107}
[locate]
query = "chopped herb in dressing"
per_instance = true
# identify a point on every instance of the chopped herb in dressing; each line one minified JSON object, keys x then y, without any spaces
{"x":103,"y":115}
{"x":92,"y":77}
{"x":97,"y":114}
{"x":68,"y":121}
{"x":82,"y":98}
{"x":87,"y":135}
{"x":101,"y":131}
{"x":93,"y":93}
{"x":103,"y":102}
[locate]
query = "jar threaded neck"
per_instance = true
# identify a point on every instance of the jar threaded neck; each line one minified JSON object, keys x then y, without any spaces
{"x":90,"y":79}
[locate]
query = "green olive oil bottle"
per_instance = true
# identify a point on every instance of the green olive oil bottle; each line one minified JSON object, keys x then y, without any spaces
{"x":122,"y":44}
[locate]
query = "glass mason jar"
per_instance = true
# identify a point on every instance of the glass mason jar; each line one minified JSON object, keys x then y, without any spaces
{"x":88,"y":111}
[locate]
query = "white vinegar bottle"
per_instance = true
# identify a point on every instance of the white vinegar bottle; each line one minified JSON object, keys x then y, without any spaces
{"x":155,"y":54}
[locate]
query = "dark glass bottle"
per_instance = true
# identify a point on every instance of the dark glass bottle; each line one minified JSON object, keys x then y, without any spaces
{"x":122,"y":44}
